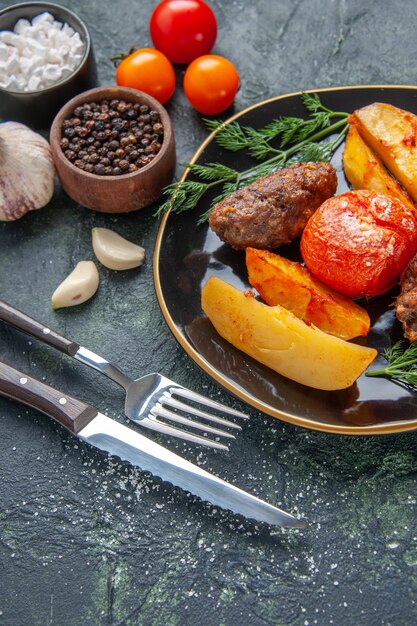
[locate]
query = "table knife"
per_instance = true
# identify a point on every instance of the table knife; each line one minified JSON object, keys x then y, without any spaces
{"x":104,"y":433}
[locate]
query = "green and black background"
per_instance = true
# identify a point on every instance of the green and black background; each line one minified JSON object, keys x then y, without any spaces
{"x":86,"y":540}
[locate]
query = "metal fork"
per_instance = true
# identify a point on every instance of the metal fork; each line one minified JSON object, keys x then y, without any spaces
{"x":152,"y":401}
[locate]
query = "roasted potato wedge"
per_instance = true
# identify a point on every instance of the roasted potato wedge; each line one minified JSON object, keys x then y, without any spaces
{"x":364,"y":170}
{"x":278,"y":339}
{"x":284,"y":282}
{"x":392,"y":135}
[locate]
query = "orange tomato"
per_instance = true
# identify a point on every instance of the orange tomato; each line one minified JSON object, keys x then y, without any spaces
{"x":211,"y":83}
{"x":148,"y":70}
{"x":360,"y":242}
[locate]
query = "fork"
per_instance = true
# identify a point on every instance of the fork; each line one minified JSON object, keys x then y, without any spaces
{"x":151,"y":399}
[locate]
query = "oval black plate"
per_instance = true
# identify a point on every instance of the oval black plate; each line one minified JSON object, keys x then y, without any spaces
{"x":187,"y":254}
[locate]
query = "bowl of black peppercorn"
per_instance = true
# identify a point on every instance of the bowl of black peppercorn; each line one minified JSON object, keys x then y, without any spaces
{"x":113,"y":149}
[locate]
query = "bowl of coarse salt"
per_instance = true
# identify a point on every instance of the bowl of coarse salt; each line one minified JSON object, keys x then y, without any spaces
{"x":46,"y":58}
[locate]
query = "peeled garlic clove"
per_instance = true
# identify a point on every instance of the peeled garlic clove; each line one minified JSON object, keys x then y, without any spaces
{"x":115,"y":252}
{"x":27,"y":171}
{"x":78,"y":287}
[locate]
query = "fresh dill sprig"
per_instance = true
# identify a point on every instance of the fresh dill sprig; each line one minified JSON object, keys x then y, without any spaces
{"x":230,"y":136}
{"x":279,"y":143}
{"x":212,"y":171}
{"x":182,"y":196}
{"x":402,"y":364}
{"x":289,"y":130}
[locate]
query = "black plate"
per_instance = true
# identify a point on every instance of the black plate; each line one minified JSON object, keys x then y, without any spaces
{"x":187,"y":254}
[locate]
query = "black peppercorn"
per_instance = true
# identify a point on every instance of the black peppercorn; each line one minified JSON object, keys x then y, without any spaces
{"x":70,"y":154}
{"x":119,"y":125}
{"x":112,"y":138}
{"x":99,"y":169}
{"x":122,"y":107}
{"x":124,"y":164}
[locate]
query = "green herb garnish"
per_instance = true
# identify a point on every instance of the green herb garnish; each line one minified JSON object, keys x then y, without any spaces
{"x":402,"y":364}
{"x":281,"y":142}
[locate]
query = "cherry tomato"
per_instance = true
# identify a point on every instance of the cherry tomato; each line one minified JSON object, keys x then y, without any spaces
{"x":211,"y":83}
{"x":360,"y":242}
{"x":148,"y":70}
{"x":183,"y":29}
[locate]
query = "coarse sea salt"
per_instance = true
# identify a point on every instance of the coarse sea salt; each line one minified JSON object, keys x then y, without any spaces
{"x":38,"y":54}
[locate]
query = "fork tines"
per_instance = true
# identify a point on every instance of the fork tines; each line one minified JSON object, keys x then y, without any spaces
{"x":173,"y":410}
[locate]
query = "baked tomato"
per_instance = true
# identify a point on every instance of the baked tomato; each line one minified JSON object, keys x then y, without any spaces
{"x":148,"y":70}
{"x":211,"y":83}
{"x":360,"y":242}
{"x":183,"y":29}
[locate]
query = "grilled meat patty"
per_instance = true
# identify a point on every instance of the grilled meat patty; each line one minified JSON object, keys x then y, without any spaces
{"x":273,"y":210}
{"x":406,"y":303}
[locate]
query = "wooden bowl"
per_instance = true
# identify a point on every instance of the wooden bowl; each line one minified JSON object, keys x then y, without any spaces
{"x":126,"y":192}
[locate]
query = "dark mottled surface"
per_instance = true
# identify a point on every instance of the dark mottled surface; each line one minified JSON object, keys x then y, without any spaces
{"x":85,"y":540}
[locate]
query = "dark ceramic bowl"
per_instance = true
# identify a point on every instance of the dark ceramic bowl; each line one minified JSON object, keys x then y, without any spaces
{"x":126,"y":192}
{"x":38,"y":108}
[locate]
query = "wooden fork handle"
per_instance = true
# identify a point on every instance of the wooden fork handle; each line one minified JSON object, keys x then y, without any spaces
{"x":66,"y":410}
{"x":12,"y":316}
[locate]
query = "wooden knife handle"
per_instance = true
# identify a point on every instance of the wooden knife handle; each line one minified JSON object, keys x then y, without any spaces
{"x":66,"y":410}
{"x":21,"y":321}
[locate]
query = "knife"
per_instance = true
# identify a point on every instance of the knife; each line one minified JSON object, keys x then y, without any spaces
{"x":104,"y":433}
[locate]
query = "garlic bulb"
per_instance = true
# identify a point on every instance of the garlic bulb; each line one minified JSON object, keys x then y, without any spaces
{"x":27,"y":171}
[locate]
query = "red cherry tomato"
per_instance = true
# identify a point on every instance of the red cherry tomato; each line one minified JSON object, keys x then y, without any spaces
{"x":147,"y":70}
{"x":183,"y":29}
{"x":360,"y":242}
{"x":210,"y":84}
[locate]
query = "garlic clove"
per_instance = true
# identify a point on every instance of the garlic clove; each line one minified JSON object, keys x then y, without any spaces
{"x":78,"y":287}
{"x":114,"y":251}
{"x":27,"y":171}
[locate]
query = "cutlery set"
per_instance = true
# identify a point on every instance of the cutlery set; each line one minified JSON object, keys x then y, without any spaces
{"x":153,"y":402}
